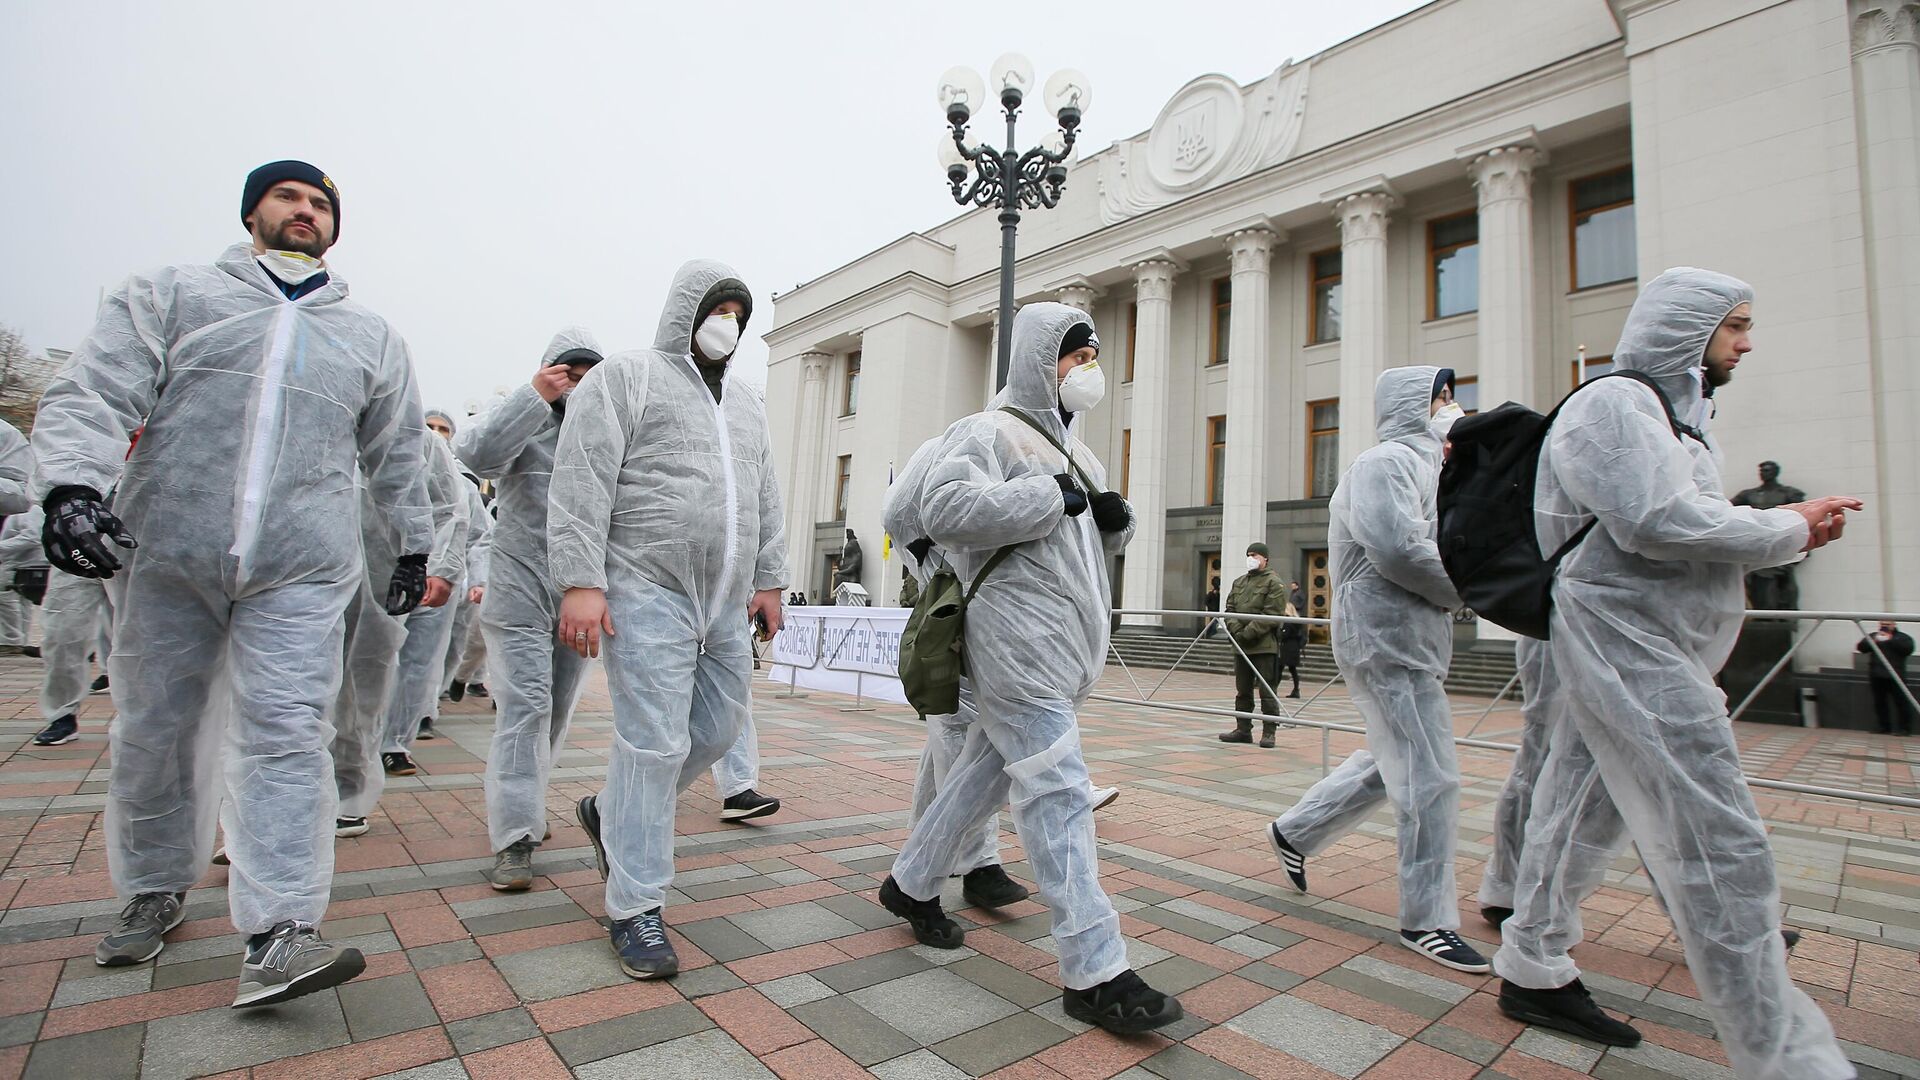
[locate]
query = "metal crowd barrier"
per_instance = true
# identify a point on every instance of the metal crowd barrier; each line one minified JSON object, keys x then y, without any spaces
{"x":1293,"y":717}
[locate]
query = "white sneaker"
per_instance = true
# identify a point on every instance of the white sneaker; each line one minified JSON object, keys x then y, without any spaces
{"x":1103,"y":797}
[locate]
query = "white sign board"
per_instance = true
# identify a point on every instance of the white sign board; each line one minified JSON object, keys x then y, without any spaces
{"x":843,"y":650}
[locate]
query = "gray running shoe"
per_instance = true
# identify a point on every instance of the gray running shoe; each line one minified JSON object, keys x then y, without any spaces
{"x":513,"y":867}
{"x":140,"y":934}
{"x":291,"y":963}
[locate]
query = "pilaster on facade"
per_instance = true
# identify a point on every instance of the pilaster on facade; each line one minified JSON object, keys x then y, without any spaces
{"x":1145,"y":573}
{"x":1503,"y":177}
{"x":810,"y":422}
{"x":1249,"y":381}
{"x":1363,"y":217}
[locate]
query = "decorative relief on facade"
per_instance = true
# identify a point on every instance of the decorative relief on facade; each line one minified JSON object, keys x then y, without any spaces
{"x":1211,"y":131}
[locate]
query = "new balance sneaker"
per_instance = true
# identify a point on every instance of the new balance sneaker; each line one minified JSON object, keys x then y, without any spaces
{"x":929,"y":921}
{"x":1495,"y":915}
{"x":140,"y":932}
{"x":426,"y":729}
{"x":1103,"y":797}
{"x":61,"y":731}
{"x":1124,"y":1005}
{"x":990,"y":887}
{"x":291,"y":961}
{"x":99,"y":685}
{"x":748,"y":804}
{"x":1294,"y":863}
{"x":513,"y":867}
{"x":1446,"y":948}
{"x":398,"y":764}
{"x":1569,"y":1008}
{"x":349,"y":826}
{"x":642,"y":946}
{"x":587,"y":811}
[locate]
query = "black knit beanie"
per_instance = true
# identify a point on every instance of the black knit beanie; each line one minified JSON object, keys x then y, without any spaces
{"x":1079,"y":336}
{"x":262,"y":179}
{"x":722,"y":291}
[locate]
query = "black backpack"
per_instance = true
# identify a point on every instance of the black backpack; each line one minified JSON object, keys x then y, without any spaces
{"x":1486,"y":536}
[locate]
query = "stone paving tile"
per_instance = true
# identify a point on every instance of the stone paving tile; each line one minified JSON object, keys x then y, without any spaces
{"x":785,"y":952}
{"x":99,"y":1055}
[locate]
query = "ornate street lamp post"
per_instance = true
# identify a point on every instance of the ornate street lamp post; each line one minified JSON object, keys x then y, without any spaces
{"x":1008,"y":178}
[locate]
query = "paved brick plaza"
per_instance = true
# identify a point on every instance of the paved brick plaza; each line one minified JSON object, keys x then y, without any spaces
{"x":792,"y":970}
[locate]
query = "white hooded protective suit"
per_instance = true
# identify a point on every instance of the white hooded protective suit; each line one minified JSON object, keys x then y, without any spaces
{"x":16,"y":467}
{"x":416,"y":681}
{"x":946,"y":735}
{"x":668,"y":500}
{"x":1393,"y":640}
{"x":75,"y":620}
{"x":1036,"y":641}
{"x":535,"y":681}
{"x":479,"y":543}
{"x":1643,"y":723}
{"x":259,"y":412}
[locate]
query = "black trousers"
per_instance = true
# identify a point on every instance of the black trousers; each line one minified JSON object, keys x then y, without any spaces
{"x":1244,"y":683}
{"x":1890,"y":709}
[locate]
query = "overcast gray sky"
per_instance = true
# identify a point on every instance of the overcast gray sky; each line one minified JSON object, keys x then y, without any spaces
{"x":508,"y":168}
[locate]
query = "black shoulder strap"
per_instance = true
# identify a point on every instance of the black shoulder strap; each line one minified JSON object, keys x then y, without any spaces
{"x":1680,"y":430}
{"x":1085,"y":480}
{"x":992,"y":561}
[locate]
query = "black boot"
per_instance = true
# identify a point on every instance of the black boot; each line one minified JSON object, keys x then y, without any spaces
{"x":1242,"y":732}
{"x":1266,"y":733}
{"x":930,"y":923}
{"x":1569,"y":1008}
{"x":1124,"y":1005}
{"x":1296,"y":689}
{"x":990,"y":887}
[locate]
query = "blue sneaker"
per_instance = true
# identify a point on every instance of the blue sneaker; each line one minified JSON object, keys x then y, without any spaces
{"x":642,"y":946}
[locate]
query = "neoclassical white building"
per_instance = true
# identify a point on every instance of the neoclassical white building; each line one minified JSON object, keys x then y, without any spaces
{"x":1479,"y":184}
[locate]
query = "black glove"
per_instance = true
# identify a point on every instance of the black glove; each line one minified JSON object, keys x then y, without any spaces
{"x":1111,"y":512}
{"x":1076,"y":499}
{"x":76,"y":531}
{"x":409,"y":584}
{"x":31,"y":583}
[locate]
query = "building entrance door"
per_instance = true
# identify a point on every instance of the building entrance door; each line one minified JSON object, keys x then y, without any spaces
{"x":1319,"y":588}
{"x":825,"y":595}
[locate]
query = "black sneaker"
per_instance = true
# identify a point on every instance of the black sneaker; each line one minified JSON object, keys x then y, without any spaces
{"x":588,"y":813}
{"x":1495,"y":915}
{"x":426,"y":728}
{"x":748,"y":804}
{"x":293,"y":962}
{"x":478,"y":689}
{"x":350,"y":826}
{"x":1446,"y":948}
{"x":457,"y":691}
{"x":99,"y":685}
{"x":1570,"y":1009}
{"x":1791,"y":937}
{"x":61,"y":731}
{"x":990,"y":887}
{"x":642,"y":946}
{"x":398,"y":764}
{"x":1124,"y":1005}
{"x":1291,"y":860}
{"x":930,"y":923}
{"x":30,"y":650}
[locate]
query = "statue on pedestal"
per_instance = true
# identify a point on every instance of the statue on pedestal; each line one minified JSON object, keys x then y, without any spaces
{"x":850,"y":560}
{"x":1773,"y":588}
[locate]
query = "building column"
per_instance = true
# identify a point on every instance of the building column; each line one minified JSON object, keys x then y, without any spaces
{"x":803,"y":494}
{"x":993,"y":359}
{"x":1886,"y":81}
{"x":1504,"y":179}
{"x":1145,"y":575}
{"x":1249,"y":377}
{"x":1363,"y":315}
{"x":1080,"y":294}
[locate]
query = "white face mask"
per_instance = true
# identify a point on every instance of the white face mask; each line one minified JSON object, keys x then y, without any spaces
{"x":718,"y":336}
{"x":1083,"y":387}
{"x":1443,"y":421}
{"x":1255,"y":562}
{"x":291,"y":267}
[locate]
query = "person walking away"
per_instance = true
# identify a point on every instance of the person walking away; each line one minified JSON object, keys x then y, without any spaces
{"x":231,"y":553}
{"x":1293,"y":642}
{"x":1891,"y":713}
{"x":1646,"y":606}
{"x":1393,"y":640}
{"x":664,"y":532}
{"x":1014,"y":478}
{"x":536,"y":680}
{"x":1256,"y":654}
